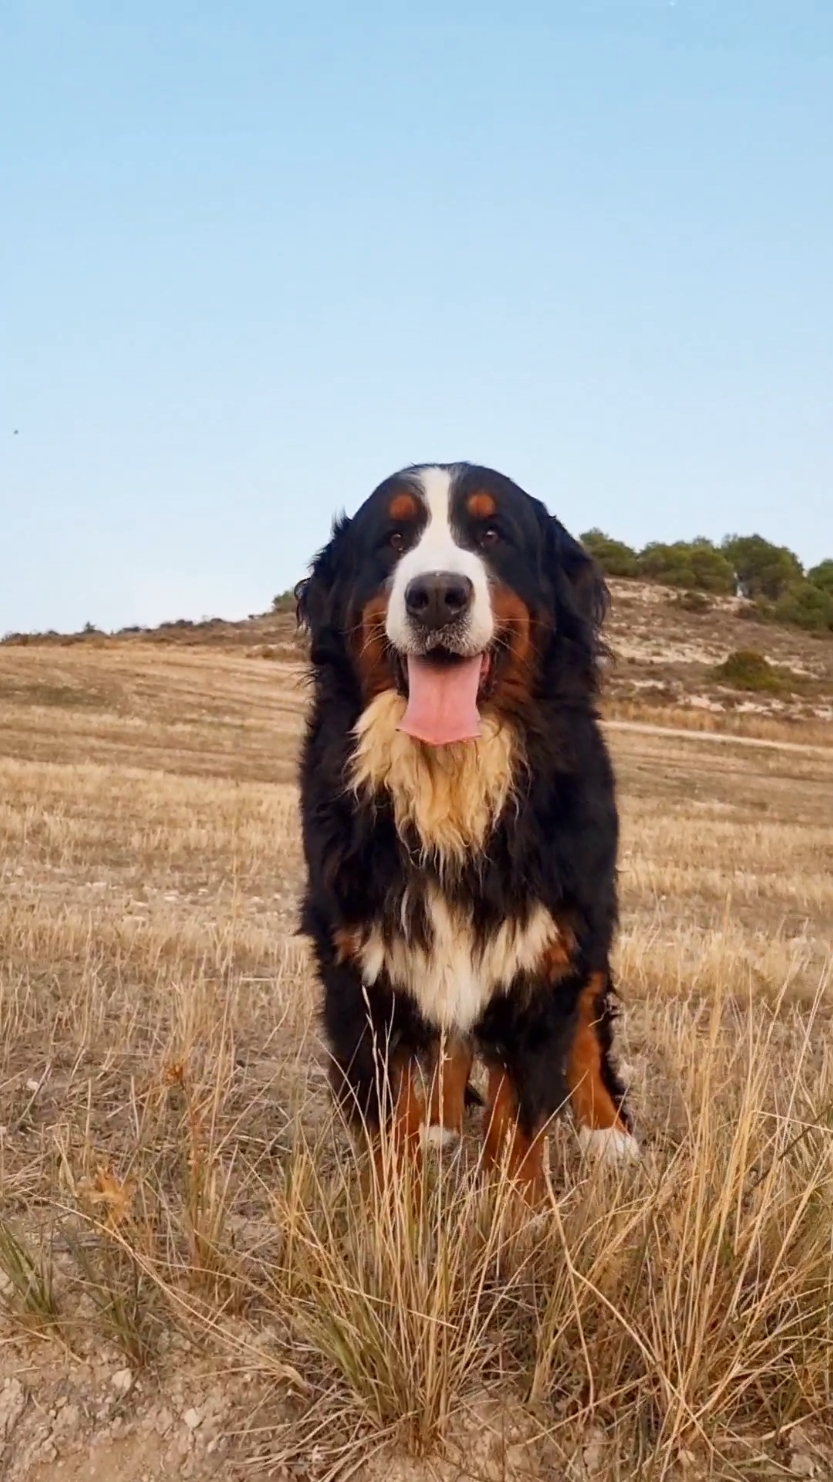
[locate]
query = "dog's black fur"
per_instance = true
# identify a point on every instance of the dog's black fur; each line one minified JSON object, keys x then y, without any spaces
{"x":555,"y":843}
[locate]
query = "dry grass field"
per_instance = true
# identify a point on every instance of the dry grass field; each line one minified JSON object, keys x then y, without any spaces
{"x":190,"y":1285}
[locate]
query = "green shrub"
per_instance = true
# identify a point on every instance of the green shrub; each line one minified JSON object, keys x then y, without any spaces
{"x":747,"y":669}
{"x":822,"y":576}
{"x":614,"y":557}
{"x":806,"y":605}
{"x":695,"y":564}
{"x":764,"y":569}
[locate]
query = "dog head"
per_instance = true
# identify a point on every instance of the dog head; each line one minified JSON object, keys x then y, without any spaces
{"x":454,"y":586}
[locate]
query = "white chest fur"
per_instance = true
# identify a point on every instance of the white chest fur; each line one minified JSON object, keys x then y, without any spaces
{"x":454,"y":978}
{"x":450,"y":797}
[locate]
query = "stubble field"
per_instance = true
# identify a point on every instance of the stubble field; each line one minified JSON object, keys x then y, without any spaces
{"x":190,"y":1285}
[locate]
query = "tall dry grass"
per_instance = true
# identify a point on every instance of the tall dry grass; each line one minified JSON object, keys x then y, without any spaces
{"x":174,"y":1183}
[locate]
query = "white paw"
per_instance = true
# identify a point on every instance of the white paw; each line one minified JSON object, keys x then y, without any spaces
{"x":438,"y":1137}
{"x":540,"y":1221}
{"x":609,"y":1145}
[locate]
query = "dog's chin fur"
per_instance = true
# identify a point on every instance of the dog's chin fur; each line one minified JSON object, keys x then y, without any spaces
{"x":450,"y":797}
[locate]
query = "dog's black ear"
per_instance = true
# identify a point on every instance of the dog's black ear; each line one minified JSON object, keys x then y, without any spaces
{"x":588,"y":587}
{"x":314,"y":595}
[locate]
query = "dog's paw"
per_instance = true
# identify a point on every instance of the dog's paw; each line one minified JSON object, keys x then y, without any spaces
{"x":610,"y":1146}
{"x":438,"y":1137}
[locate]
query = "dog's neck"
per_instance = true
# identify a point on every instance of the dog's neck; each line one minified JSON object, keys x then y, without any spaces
{"x":450,"y":796}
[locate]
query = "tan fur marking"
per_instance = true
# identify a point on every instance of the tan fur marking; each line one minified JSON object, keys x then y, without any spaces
{"x":403,"y":507}
{"x":348,"y":943}
{"x":524,"y":1156}
{"x":592,"y":1104}
{"x":369,"y":644}
{"x":557,"y":959}
{"x":407,"y":1122}
{"x":450,"y":1071}
{"x":481,"y":505}
{"x":517,"y":636}
{"x":451,"y":796}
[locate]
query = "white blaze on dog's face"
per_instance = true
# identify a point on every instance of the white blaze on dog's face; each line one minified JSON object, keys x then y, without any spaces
{"x":447,"y":587}
{"x":440,"y":620}
{"x":436,"y":552}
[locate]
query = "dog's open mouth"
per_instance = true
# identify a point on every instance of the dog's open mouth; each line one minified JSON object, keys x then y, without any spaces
{"x":444,"y":691}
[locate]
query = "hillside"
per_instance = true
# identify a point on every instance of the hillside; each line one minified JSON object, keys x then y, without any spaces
{"x":666,"y":647}
{"x":189,"y":1284}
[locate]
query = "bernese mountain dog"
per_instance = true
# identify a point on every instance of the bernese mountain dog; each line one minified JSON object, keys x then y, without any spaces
{"x":459,"y":818}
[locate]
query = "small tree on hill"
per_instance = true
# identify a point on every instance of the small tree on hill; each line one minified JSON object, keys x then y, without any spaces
{"x":614,"y":557}
{"x":763,"y":569}
{"x":696,"y":564}
{"x":806,"y":605}
{"x":822,"y":576}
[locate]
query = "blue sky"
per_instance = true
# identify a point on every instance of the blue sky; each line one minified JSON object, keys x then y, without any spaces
{"x":257,"y":256}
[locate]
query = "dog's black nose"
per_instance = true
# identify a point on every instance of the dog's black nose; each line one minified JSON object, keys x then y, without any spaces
{"x":437,"y":597}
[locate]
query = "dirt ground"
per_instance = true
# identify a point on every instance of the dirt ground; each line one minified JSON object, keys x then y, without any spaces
{"x":189,"y":1284}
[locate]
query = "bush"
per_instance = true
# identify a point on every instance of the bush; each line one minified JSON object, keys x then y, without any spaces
{"x":747,"y":669}
{"x":614,"y":557}
{"x":763,"y":569}
{"x":770,"y":576}
{"x":284,"y":602}
{"x":688,"y":563}
{"x":806,"y":605}
{"x":822,"y":576}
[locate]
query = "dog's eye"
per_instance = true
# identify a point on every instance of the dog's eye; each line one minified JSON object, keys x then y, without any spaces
{"x":396,"y":540}
{"x":489,"y":536}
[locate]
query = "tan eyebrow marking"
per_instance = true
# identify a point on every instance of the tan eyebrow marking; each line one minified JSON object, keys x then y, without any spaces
{"x":482,"y":506}
{"x":403,"y":507}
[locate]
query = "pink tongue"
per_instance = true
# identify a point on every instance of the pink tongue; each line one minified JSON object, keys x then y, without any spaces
{"x":442,"y":701}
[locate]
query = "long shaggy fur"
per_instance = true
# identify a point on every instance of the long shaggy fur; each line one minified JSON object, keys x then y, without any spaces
{"x":448,"y":796}
{"x":471,"y":888}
